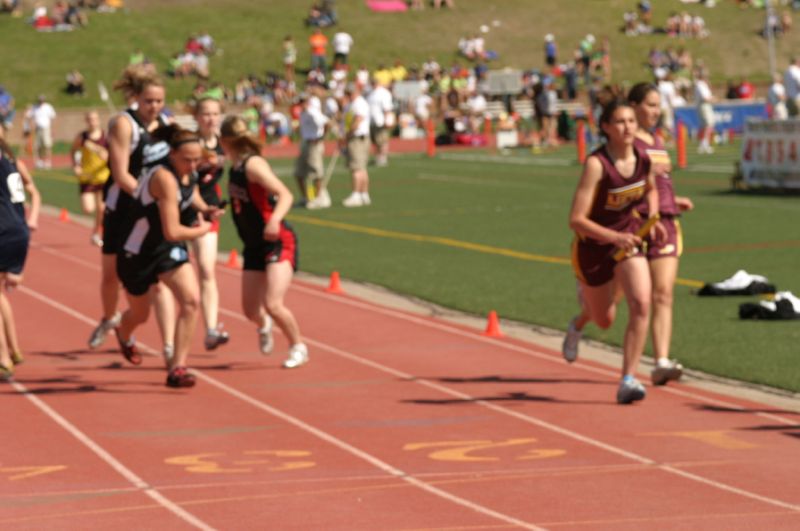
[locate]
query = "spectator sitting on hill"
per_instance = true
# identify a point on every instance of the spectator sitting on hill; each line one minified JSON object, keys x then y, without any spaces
{"x":398,"y":71}
{"x":206,"y":42}
{"x":137,"y":57}
{"x":430,"y":68}
{"x":9,"y":6}
{"x":320,"y":15}
{"x":75,"y":84}
{"x":746,"y":89}
{"x":75,"y":16}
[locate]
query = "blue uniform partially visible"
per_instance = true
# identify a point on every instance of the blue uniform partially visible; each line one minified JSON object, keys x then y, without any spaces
{"x":14,"y":232}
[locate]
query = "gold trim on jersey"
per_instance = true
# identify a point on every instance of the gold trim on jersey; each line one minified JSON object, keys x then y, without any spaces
{"x":619,"y":198}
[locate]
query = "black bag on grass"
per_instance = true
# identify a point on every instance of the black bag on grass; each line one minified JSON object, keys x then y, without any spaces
{"x":741,"y":283}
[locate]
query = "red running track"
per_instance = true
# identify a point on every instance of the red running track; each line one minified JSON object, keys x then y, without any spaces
{"x":399,"y":422}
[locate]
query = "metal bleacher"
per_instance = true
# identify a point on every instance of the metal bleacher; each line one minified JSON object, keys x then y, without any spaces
{"x":524,"y":107}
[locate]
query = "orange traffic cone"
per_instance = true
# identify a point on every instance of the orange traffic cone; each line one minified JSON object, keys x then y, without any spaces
{"x":493,"y":326}
{"x":335,"y":285}
{"x":233,"y":260}
{"x":63,"y":216}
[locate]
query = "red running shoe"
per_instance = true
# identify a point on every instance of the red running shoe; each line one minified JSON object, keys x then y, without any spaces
{"x":180,"y":377}
{"x":129,"y":349}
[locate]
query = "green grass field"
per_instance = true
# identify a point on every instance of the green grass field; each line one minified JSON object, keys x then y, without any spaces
{"x":477,"y":231}
{"x":250,"y":33}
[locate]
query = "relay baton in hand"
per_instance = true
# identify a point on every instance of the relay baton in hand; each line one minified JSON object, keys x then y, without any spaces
{"x":643,"y":231}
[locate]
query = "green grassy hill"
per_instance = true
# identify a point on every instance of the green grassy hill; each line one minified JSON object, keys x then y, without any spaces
{"x":249,"y":32}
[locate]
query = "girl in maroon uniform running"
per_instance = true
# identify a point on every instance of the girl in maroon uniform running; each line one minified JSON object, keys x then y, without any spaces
{"x":661,"y":256}
{"x":259,"y":204}
{"x":616,"y":179}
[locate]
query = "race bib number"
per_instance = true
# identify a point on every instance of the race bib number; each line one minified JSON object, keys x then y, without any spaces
{"x":16,"y":188}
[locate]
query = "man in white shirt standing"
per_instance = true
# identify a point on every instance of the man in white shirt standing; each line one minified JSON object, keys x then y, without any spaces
{"x":39,"y":119}
{"x":703,"y":97}
{"x":342,"y":42}
{"x":309,"y":167}
{"x":791,"y":82}
{"x":381,"y":109}
{"x":356,"y":140}
{"x":776,"y":97}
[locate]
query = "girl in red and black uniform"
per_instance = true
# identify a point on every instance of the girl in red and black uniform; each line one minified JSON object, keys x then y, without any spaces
{"x":662,"y":256}
{"x":616,"y":179}
{"x":259,"y":202}
{"x":152,"y":247}
{"x":208,"y":115}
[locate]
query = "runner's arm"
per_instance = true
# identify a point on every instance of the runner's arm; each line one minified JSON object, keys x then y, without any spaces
{"x":119,"y":151}
{"x":165,"y":191}
{"x":33,"y":192}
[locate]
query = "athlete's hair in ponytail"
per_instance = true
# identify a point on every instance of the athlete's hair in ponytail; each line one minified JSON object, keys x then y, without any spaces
{"x":175,"y":135}
{"x":136,"y":78}
{"x":234,"y":130}
{"x":640,"y":91}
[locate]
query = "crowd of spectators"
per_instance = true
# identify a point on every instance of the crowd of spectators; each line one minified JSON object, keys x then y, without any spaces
{"x":639,"y":21}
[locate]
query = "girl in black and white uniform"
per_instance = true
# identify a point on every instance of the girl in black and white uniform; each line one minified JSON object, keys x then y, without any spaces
{"x":205,"y":248}
{"x":132,"y":150}
{"x":152,"y":247}
{"x":14,"y":237}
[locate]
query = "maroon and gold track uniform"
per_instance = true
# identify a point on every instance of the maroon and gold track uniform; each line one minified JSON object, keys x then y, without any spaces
{"x":667,"y":208}
{"x":615,"y":202}
{"x":252,"y":208}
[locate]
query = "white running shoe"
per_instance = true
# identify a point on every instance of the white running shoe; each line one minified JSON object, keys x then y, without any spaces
{"x":298,"y":355}
{"x":265,"y":341}
{"x":323,"y":200}
{"x":663,"y":373}
{"x":353,"y":200}
{"x":216,"y":337}
{"x":630,"y":391}
{"x":569,"y":349}
{"x":103,"y":328}
{"x":365,"y":198}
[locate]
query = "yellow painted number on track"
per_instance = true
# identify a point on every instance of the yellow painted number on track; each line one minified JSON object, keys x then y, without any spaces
{"x":23,"y":472}
{"x":212,"y":463}
{"x":463,"y":451}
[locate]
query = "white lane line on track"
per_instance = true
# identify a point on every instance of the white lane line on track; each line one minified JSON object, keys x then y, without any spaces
{"x":543,"y":424}
{"x":87,"y":441}
{"x":527,"y":352}
{"x":453,"y":330}
{"x":330,"y":439}
{"x":508,"y":412}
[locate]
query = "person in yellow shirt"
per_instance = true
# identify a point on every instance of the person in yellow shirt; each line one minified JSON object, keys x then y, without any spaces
{"x":398,"y":71}
{"x":90,"y":164}
{"x":382,"y":76}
